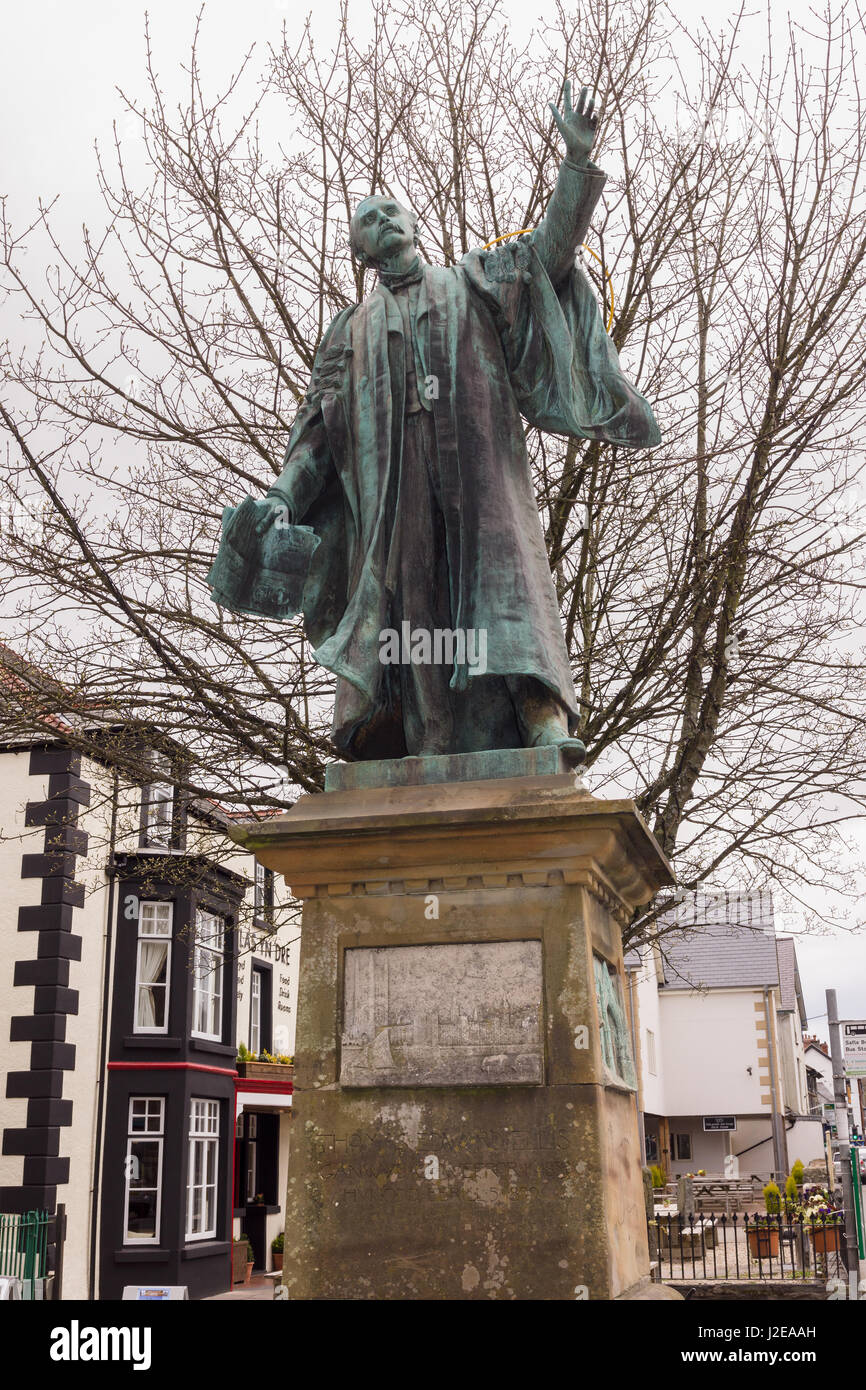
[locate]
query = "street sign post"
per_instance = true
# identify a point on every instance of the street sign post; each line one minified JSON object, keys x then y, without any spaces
{"x":842,"y":1141}
{"x":854,"y":1160}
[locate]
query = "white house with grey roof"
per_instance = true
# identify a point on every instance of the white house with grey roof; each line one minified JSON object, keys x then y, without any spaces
{"x":717,"y":1018}
{"x":819,"y":1072}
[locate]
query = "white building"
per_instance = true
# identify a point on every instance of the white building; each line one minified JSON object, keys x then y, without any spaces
{"x":819,"y":1063}
{"x":717,"y":1018}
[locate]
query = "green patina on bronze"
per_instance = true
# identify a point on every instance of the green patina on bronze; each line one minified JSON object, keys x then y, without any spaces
{"x":408,"y":461}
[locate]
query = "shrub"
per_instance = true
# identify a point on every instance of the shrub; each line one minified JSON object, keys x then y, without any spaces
{"x":797,"y":1171}
{"x":792,"y":1193}
{"x":772,"y":1198}
{"x":277,"y":1243}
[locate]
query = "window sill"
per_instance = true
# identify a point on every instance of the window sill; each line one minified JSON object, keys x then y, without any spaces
{"x":206,"y":1045}
{"x":146,"y":1254}
{"x":151,"y":1040}
{"x":204,"y":1248}
{"x":260,"y":1206}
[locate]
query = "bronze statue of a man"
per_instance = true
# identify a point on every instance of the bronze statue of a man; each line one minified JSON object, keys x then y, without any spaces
{"x":430,"y":595}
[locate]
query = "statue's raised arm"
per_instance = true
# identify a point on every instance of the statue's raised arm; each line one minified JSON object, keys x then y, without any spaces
{"x":578,"y":187}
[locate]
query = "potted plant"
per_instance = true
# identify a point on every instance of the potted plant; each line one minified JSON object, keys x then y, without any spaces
{"x":277,"y":1250}
{"x":658,"y":1177}
{"x":242,"y":1259}
{"x":798,"y":1171}
{"x":264,"y":1066}
{"x":773,"y":1199}
{"x":792,"y":1195}
{"x":763,"y":1235}
{"x":824,"y":1222}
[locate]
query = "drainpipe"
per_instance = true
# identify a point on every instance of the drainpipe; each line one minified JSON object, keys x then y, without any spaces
{"x":103,"y":1046}
{"x":781,"y":1161}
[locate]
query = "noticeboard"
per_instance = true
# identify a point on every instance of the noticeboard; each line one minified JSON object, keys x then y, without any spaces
{"x":156,"y":1293}
{"x":717,"y":1123}
{"x":854,"y":1047}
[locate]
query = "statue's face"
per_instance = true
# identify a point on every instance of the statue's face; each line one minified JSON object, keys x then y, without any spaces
{"x":381,"y":228}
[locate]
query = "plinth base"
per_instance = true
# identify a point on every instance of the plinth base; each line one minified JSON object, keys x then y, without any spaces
{"x":465,"y":1114}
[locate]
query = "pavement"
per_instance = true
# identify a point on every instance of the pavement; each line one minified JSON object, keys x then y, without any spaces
{"x":261,"y":1287}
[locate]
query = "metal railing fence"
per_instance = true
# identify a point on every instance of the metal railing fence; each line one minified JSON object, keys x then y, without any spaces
{"x":703,"y":1246}
{"x":24,"y":1240}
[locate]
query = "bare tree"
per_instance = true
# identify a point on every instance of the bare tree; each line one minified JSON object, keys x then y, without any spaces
{"x":709,"y":589}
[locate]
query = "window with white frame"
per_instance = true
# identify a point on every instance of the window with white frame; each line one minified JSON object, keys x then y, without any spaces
{"x":201,"y":1187}
{"x":651,"y":1052}
{"x":158,"y":804}
{"x":263,"y":895}
{"x":143,"y":1169}
{"x":252,"y":1164}
{"x":152,"y":967}
{"x":256,"y":1011}
{"x":207,"y":982}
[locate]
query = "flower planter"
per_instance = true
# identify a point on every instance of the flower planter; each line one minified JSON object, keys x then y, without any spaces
{"x":266,"y":1071}
{"x":826,"y":1239}
{"x":240,"y":1250}
{"x":763,"y":1242}
{"x":277,"y":1258}
{"x":248,"y":1271}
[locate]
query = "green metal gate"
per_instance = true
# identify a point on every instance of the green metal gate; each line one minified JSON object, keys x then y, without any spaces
{"x":24,"y":1248}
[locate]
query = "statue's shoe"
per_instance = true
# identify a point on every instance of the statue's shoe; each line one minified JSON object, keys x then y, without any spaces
{"x":550,"y":732}
{"x":572,"y":750}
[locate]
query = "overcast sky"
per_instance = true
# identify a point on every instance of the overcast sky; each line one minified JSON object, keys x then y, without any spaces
{"x":60,"y":63}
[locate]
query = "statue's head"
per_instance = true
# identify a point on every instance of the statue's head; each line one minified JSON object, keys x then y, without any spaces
{"x":380,"y":229}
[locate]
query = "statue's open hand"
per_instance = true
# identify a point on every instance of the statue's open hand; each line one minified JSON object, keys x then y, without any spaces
{"x":272,"y":512}
{"x":578,"y":126}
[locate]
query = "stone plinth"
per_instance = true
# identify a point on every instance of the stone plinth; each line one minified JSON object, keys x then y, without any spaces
{"x":463,"y":1127}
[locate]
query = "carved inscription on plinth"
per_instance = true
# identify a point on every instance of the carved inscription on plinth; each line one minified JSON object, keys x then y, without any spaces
{"x":460,"y":1014}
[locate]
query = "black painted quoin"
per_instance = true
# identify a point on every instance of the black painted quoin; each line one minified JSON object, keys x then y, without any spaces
{"x":53,"y":1001}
